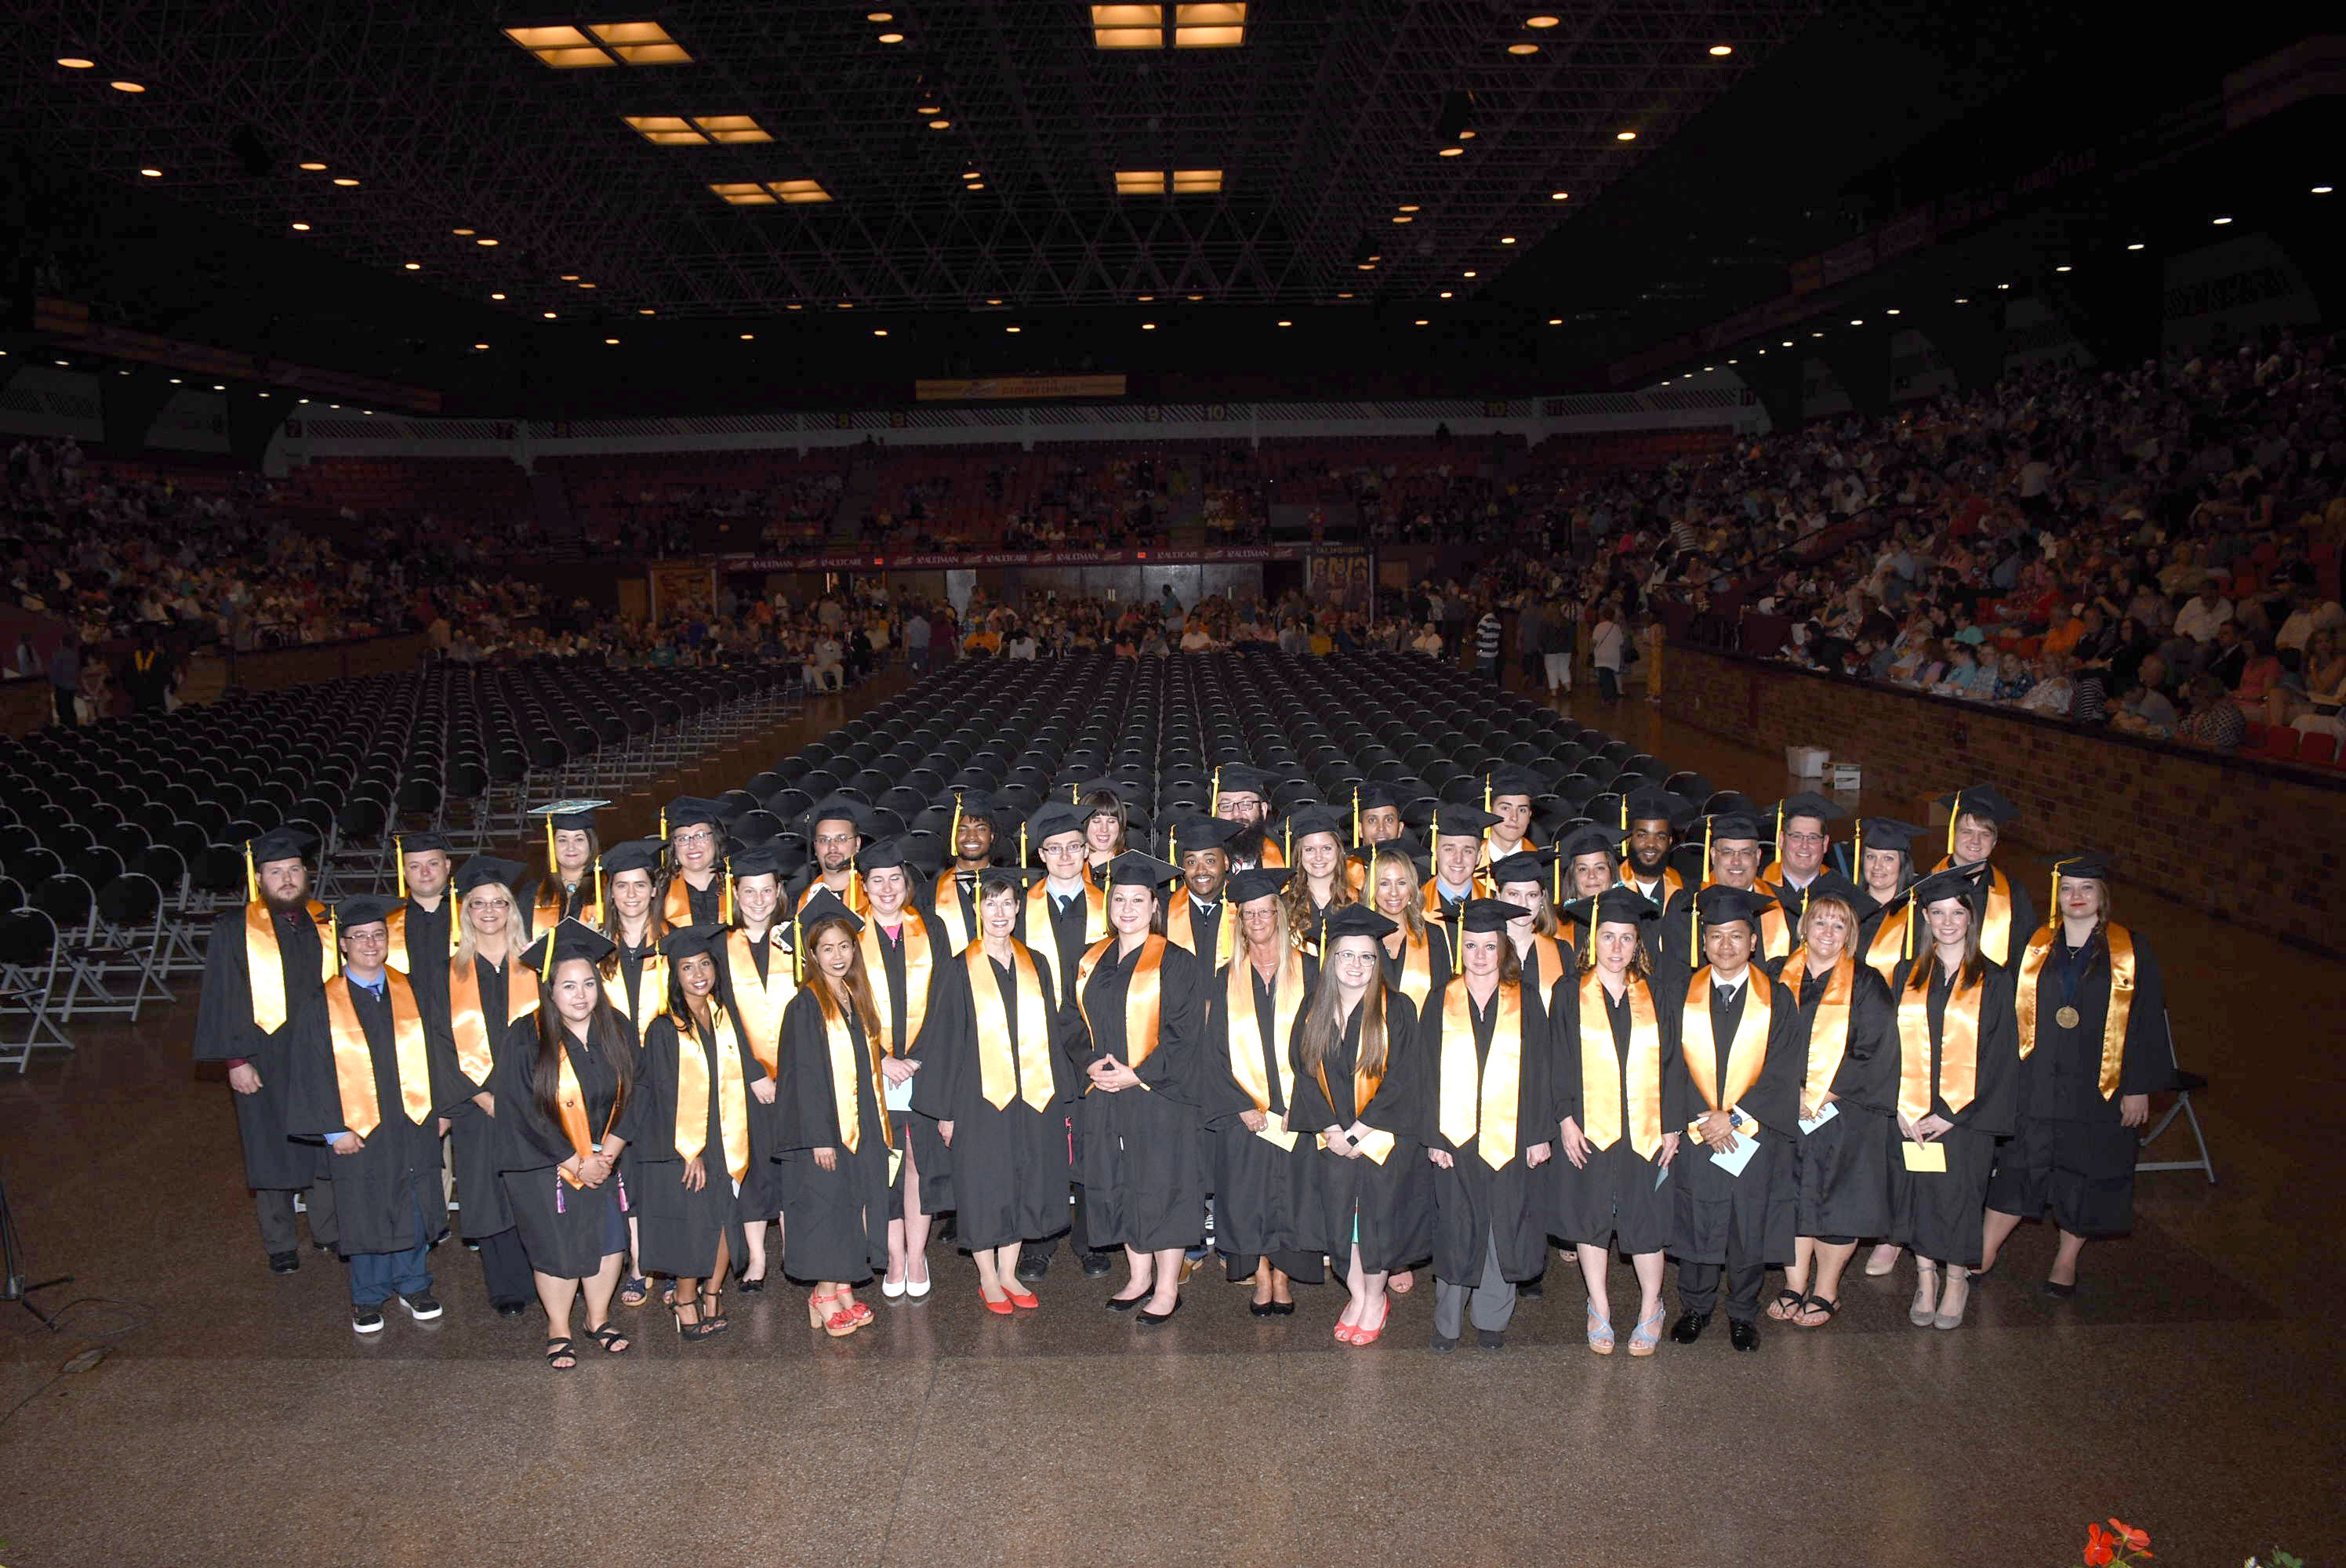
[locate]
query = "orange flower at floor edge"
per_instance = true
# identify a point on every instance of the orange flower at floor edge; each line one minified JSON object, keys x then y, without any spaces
{"x":2100,"y":1546}
{"x":2137,"y":1540}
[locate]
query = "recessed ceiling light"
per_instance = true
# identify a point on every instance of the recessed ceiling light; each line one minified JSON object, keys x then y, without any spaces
{"x":1722,"y":50}
{"x":794,"y":307}
{"x":261,"y":395}
{"x":1452,"y":151}
{"x":613,"y":44}
{"x":152,"y":173}
{"x":2061,"y":269}
{"x":1345,"y":295}
{"x":2220,"y":221}
{"x":1195,"y":298}
{"x":314,"y":168}
{"x":467,"y":233}
{"x":1420,"y":321}
{"x":1857,"y":320}
{"x":549,"y":315}
{"x":994,"y":302}
{"x":1404,"y":218}
{"x":647,"y":310}
{"x":497,"y":296}
{"x":484,"y":242}
{"x":879,"y":15}
{"x":1009,"y":328}
{"x":892,"y":37}
{"x":1625,"y":136}
{"x":2135,"y":246}
{"x":971,"y":174}
{"x":1507,"y":239}
{"x":2004,"y":285}
{"x":1559,"y":195}
{"x":481,"y":346}
{"x":1144,"y":298}
{"x":587,"y":285}
{"x":2323,"y":189}
{"x":1709,"y":367}
{"x":413,"y":266}
{"x":941,"y":125}
{"x":1147,"y":326}
{"x":1523,"y":49}
{"x":611,"y":340}
{"x":928,"y":108}
{"x":302,"y":228}
{"x":1788,"y":342}
{"x":1466,"y":274}
{"x":1542,"y":21}
{"x":1558,"y":321}
{"x":1287,"y":324}
{"x":570,"y":276}
{"x":1730,"y":361}
{"x":175,"y":381}
{"x":305,"y":400}
{"x":1960,"y":299}
{"x":847,"y":304}
{"x":344,"y":180}
{"x":974,"y":185}
{"x":752,"y":337}
{"x":75,"y":62}
{"x":1816,"y":335}
{"x":128,"y":87}
{"x":879,"y":332}
{"x":1407,"y":207}
{"x":1445,"y":293}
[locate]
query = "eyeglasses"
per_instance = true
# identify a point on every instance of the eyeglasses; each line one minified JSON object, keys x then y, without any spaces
{"x":1804,"y":838}
{"x":1355,"y":958}
{"x":695,"y":836}
{"x":831,"y":840}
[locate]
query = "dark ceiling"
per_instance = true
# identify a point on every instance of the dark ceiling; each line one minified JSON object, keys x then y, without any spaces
{"x":1324,"y":123}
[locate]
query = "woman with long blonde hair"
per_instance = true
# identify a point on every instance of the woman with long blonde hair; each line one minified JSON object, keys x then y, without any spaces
{"x":841,"y":1162}
{"x":489,"y":989}
{"x":1415,"y":955}
{"x":1360,"y":1088}
{"x":1319,"y":887}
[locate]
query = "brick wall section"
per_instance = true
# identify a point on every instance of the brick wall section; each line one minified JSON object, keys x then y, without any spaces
{"x":2259,"y":844}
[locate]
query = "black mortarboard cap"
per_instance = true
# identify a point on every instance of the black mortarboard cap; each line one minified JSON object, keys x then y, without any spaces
{"x":1734,"y":825}
{"x":1305,"y":820}
{"x":1616,"y":905}
{"x":1982,"y":800}
{"x":1887,"y":832}
{"x":834,"y":808}
{"x":1052,"y":820}
{"x":2092,"y":865}
{"x":1719,"y":904}
{"x":758,"y":860}
{"x":363,"y":909}
{"x":1238,"y":778}
{"x":1516,"y":779}
{"x":633,"y":855}
{"x":691,"y":810}
{"x":1651,"y":805}
{"x":1374,"y":794}
{"x":823,"y":904}
{"x":881,"y":854}
{"x":1355,"y":919}
{"x":1523,"y":866}
{"x":290,"y":842}
{"x":574,"y":821}
{"x":571,"y":939}
{"x":483,"y":870}
{"x":1595,"y":838}
{"x":691,"y":941}
{"x":1968,"y":885}
{"x":1490,"y":914}
{"x":423,"y":843}
{"x":1459,"y":816}
{"x":1134,"y":869}
{"x":1259,"y":883}
{"x":1808,"y":803}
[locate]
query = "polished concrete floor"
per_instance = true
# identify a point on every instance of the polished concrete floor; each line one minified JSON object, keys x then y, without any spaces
{"x":2192,"y":1388}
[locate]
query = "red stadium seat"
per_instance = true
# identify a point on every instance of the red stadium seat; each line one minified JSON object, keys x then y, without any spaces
{"x":2321,"y":750}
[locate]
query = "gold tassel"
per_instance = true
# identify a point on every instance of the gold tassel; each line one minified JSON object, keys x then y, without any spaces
{"x":598,"y":887}
{"x":1952,"y":813}
{"x":1780,"y":833}
{"x":1022,"y":846}
{"x":953,"y":835}
{"x":1356,"y":816}
{"x":725,"y":900}
{"x":1486,"y":794}
{"x":1214,"y":800}
{"x":251,"y":876}
{"x":1287,"y":843}
{"x":399,"y":854}
{"x":545,"y":966}
{"x":1172,"y":847}
{"x":1858,"y":861}
{"x":2052,"y":912}
{"x":1625,"y":811}
{"x":797,"y":940}
{"x":552,"y":870}
{"x":1559,"y":877}
{"x":334,"y":935}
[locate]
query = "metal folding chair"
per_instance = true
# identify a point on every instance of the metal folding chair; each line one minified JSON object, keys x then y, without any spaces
{"x":2184,"y":1084}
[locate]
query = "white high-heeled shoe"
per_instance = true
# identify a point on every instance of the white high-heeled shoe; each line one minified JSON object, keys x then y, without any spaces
{"x":918,"y":1290}
{"x":891,"y":1288}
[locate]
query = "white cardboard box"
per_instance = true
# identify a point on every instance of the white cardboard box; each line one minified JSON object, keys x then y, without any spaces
{"x":1848,"y":775}
{"x":1805,"y":761}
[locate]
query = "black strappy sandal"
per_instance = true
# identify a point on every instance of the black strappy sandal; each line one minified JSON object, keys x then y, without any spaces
{"x":609,"y":1332}
{"x":560,"y":1355}
{"x":1819,"y":1304}
{"x":699,"y":1328}
{"x":1787,"y":1302}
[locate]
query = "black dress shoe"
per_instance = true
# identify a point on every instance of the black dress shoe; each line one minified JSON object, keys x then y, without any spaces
{"x":1491,"y":1339}
{"x":1532,"y":1289}
{"x":1031,"y":1270}
{"x":1741,"y":1335}
{"x":1124,"y":1303}
{"x":1097,"y":1264}
{"x":1148,"y":1319}
{"x":752,"y":1286}
{"x":512,"y":1309}
{"x":284,"y":1262}
{"x":1689,"y":1326}
{"x":1263,"y":1309}
{"x":1282,"y":1309}
{"x":1441,"y":1343}
{"x":2058,"y":1291}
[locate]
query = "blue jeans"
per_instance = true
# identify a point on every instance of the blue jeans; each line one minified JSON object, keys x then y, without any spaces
{"x":376,"y":1276}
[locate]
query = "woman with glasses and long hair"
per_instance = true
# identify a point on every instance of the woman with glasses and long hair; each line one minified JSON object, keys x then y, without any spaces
{"x":1845,"y":1031}
{"x":560,"y":1085}
{"x":1617,"y":1091}
{"x":1958,"y":1075}
{"x":2091,"y":1009}
{"x":692,"y":891}
{"x":1359,"y":1090}
{"x":840,"y":1161}
{"x":689,"y":1126}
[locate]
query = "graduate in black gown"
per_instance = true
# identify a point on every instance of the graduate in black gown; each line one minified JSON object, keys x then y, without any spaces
{"x":1733,"y":836}
{"x":905,"y":954}
{"x":423,"y":921}
{"x":1958,"y":1080}
{"x":1200,"y":916}
{"x":1265,"y":1219}
{"x":484,"y":991}
{"x":1359,"y":1091}
{"x":1063,"y":914}
{"x":1488,"y":1130}
{"x":836,"y":1143}
{"x":361,"y":1088}
{"x":952,"y":898}
{"x":689,"y":1124}
{"x":2090,"y":1008}
{"x":1417,"y":960}
{"x":1732,"y":1027}
{"x":562,"y":1082}
{"x":1002,"y":1066}
{"x":634,"y":984}
{"x":1652,"y":819}
{"x":569,"y":888}
{"x":1617,"y":1086}
{"x":1525,"y":879}
{"x":756,"y":976}
{"x":1318,"y":887}
{"x":1803,"y":839}
{"x":1138,"y":1117}
{"x":264,"y":973}
{"x":1976,"y":820}
{"x":1881,"y":850}
{"x":692,"y":887}
{"x":1846,"y":1034}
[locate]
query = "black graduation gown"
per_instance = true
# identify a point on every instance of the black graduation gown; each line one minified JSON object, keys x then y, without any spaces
{"x":1391,"y":1203}
{"x":1938,"y":1214}
{"x":1010,"y":1165}
{"x":1714,"y":1209}
{"x":913,"y":1131}
{"x":1870,"y":918}
{"x":482,"y":1208}
{"x":574,"y":901}
{"x":1263,"y":1198}
{"x":395,"y":1174}
{"x":679,"y":1228}
{"x":1437,"y":963}
{"x":2069,"y":1151}
{"x":424,"y":949}
{"x":762,"y":1189}
{"x":1064,"y":943}
{"x":834,"y":1222}
{"x":1618,"y":1196}
{"x":1841,"y":1172}
{"x":1137,"y":1151}
{"x":2023,"y":923}
{"x":963,"y":890}
{"x":707,"y":904}
{"x":1472,"y":1203}
{"x":225,"y":1032}
{"x":565,"y":1230}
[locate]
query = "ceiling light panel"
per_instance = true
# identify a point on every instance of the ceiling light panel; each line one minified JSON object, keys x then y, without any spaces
{"x":601,"y":43}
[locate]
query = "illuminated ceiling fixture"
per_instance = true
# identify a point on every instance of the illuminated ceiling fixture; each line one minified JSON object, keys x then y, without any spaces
{"x":1287,"y":324}
{"x":1452,"y":151}
{"x":974,"y":185}
{"x":1420,"y":321}
{"x":647,"y":310}
{"x":752,"y":337}
{"x":1889,"y":312}
{"x":941,"y":125}
{"x":1404,"y":218}
{"x":1147,"y":326}
{"x":484,"y":242}
{"x":2061,"y":269}
{"x":1193,"y":26}
{"x":1445,"y":293}
{"x":586,"y":285}
{"x":1625,"y":136}
{"x":315,"y":167}
{"x":2220,"y":222}
{"x":1721,"y":51}
{"x":466,"y":233}
{"x":892,"y":37}
{"x":1507,"y":239}
{"x":127,"y":87}
{"x":1408,"y":207}
{"x":696,"y":130}
{"x":611,"y":340}
{"x":344,"y":180}
{"x":482,"y":347}
{"x":1156,"y":181}
{"x":1559,"y":196}
{"x":969,"y":174}
{"x":549,"y":315}
{"x":928,"y":108}
{"x":570,"y":276}
{"x":2323,"y":189}
{"x":152,"y":173}
{"x":1558,"y":321}
{"x":879,"y":15}
{"x":497,"y":296}
{"x":611,"y":43}
{"x":75,"y":62}
{"x":879,"y":332}
{"x":1009,"y":328}
{"x":301,"y":228}
{"x":1523,"y":49}
{"x":2135,"y":246}
{"x":749,"y":193}
{"x":1467,"y":274}
{"x":1542,"y":21}
{"x":413,"y":266}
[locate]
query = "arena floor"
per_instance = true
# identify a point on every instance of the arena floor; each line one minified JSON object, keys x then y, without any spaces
{"x":2191,"y":1388}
